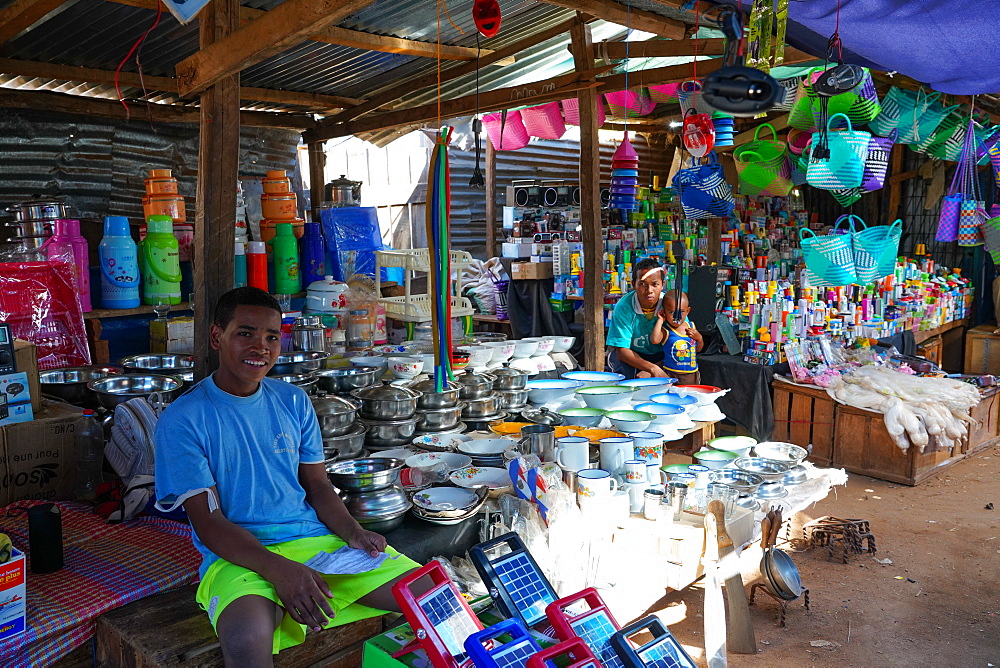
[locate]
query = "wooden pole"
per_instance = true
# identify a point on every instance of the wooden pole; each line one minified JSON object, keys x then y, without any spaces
{"x":590,"y":205}
{"x":714,"y":253}
{"x":317,"y":177}
{"x":218,"y":171}
{"x":491,"y":198}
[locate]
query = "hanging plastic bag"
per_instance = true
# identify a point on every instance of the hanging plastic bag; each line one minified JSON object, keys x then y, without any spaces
{"x":763,"y":165}
{"x":840,"y":161}
{"x":703,"y":190}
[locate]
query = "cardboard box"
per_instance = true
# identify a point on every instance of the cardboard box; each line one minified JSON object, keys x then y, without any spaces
{"x":15,"y":401}
{"x":185,"y":346}
{"x":982,"y":351}
{"x":26,"y":359}
{"x":525,"y":271}
{"x":12,"y":596}
{"x":174,"y":328}
{"x":37,"y":458}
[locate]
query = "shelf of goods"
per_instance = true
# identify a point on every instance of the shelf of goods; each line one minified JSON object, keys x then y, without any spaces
{"x":417,"y":308}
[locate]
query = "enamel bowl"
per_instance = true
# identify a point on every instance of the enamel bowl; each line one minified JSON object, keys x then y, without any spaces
{"x":502,"y":351}
{"x":479,"y":356}
{"x":704,"y":394}
{"x":525,"y":348}
{"x":707,"y":413}
{"x":738,"y":444}
{"x":582,"y":417}
{"x":592,"y":378}
{"x":606,"y":397}
{"x":630,"y":421}
{"x":671,"y":399}
{"x":485,"y":447}
{"x":545,"y":344}
{"x":445,"y":498}
{"x":647,"y":387}
{"x":496,"y":478}
{"x":405,"y":367}
{"x":674,"y":469}
{"x":562,"y":344}
{"x":544,"y":391}
{"x":715,"y":459}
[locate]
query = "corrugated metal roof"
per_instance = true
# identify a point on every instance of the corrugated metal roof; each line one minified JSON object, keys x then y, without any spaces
{"x":99,"y":33}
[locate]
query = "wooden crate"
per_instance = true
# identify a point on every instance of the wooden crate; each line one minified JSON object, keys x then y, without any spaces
{"x":171,"y":630}
{"x":863,"y":445}
{"x":982,"y":351}
{"x":804,"y":416}
{"x":930,"y":350}
{"x":987,"y":413}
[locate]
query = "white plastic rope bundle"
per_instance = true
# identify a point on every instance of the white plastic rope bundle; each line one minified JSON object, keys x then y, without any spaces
{"x":915,"y":408}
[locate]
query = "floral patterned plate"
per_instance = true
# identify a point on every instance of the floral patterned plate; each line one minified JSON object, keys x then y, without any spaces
{"x":452,"y":460}
{"x":445,"y":498}
{"x":475,"y":476}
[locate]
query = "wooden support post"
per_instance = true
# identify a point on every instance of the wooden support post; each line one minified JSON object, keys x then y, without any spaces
{"x":317,"y":177}
{"x":218,"y":171}
{"x":715,"y":240}
{"x":590,"y":205}
{"x":491,"y":198}
{"x":895,"y":185}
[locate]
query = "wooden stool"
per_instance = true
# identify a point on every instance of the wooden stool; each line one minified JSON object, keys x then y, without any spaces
{"x":171,"y":630}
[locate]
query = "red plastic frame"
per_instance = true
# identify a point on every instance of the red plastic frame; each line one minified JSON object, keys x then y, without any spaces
{"x":575,"y":649}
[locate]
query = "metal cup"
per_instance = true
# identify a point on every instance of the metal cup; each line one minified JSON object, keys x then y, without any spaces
{"x":540,"y":440}
{"x":678,"y":493}
{"x":651,"y":507}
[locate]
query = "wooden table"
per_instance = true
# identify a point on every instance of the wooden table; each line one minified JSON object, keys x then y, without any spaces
{"x":491,"y":323}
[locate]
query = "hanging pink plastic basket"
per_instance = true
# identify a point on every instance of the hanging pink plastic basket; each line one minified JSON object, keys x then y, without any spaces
{"x":571,"y":110}
{"x":629,"y":103}
{"x":663,"y":93}
{"x":544,"y":121}
{"x":514,"y":134}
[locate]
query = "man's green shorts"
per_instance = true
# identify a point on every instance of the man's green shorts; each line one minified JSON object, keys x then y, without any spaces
{"x":225,"y":582}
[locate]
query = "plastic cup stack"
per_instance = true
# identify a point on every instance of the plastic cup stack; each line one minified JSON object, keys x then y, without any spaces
{"x":723,"y":130}
{"x":624,"y":177}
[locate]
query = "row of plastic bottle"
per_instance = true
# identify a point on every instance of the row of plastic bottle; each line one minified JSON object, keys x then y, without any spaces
{"x":292,"y":268}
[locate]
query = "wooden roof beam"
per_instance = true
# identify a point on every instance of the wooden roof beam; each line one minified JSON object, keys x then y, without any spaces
{"x":20,"y":15}
{"x":556,"y":88}
{"x":161,"y":113}
{"x":27,"y":68}
{"x":620,"y":14}
{"x":659,"y":48}
{"x":419,"y":83}
{"x":288,"y":24}
{"x":358,"y":39}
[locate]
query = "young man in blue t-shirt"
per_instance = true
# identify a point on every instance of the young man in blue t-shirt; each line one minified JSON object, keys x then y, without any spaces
{"x":631,"y":352}
{"x":243,"y":454}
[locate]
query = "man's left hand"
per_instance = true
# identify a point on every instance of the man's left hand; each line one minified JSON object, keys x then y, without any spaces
{"x":369,"y":541}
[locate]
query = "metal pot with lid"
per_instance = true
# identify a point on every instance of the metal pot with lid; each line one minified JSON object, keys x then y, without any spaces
{"x":542,"y":416}
{"x":40,"y":209}
{"x":432,"y":399}
{"x":387,"y":402}
{"x":335,"y":414}
{"x":509,"y":379}
{"x":342,"y":192}
{"x":475,"y":385}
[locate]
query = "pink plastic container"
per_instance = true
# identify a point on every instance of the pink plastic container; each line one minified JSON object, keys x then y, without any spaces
{"x":515,"y":135}
{"x":544,"y":121}
{"x":571,"y":110}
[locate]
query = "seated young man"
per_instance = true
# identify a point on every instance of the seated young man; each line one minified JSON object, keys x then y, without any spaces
{"x":244,"y":456}
{"x":632,"y":353}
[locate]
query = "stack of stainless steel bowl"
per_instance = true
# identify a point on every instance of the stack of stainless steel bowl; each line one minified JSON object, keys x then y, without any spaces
{"x":482,"y":404}
{"x":344,"y":380}
{"x":389,"y":413}
{"x":343,"y":436}
{"x":511,"y":386}
{"x":114,"y":390}
{"x":70,"y":383}
{"x":299,"y":368}
{"x":33,"y":222}
{"x":370,"y":490}
{"x":438,"y":412}
{"x":164,"y":364}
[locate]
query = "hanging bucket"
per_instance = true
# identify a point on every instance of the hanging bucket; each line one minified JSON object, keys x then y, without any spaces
{"x":506,"y":133}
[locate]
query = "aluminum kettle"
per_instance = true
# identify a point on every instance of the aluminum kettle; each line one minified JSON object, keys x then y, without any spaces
{"x":342,"y":192}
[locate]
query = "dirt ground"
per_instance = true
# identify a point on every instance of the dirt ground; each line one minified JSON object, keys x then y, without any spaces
{"x":936,"y":604}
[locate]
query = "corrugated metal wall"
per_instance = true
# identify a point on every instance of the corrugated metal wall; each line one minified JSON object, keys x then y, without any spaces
{"x":98,"y":165}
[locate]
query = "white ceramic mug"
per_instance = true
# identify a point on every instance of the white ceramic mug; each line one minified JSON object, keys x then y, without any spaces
{"x":594,"y":485}
{"x":615,"y":452}
{"x":635,"y":495}
{"x":701,"y":474}
{"x":572,"y":452}
{"x":647,"y":445}
{"x":635,"y":471}
{"x":655,"y":475}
